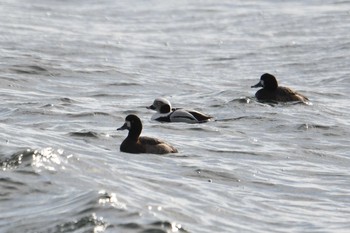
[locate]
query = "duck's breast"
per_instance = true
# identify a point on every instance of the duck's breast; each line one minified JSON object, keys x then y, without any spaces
{"x":131,"y":146}
{"x":266,"y":95}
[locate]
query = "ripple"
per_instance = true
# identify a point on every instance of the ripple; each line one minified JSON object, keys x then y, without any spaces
{"x":307,"y":126}
{"x":242,"y":100}
{"x":217,"y":176}
{"x":241,"y":118}
{"x":106,"y":198}
{"x":155,"y":227}
{"x":23,"y":157}
{"x":39,"y":159}
{"x":67,"y":100}
{"x":9,"y":186}
{"x":29,"y":69}
{"x":88,"y":114}
{"x":124,"y":84}
{"x":90,"y":223}
{"x":89,"y":134}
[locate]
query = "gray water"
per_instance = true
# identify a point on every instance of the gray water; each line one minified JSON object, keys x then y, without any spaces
{"x":72,"y":70}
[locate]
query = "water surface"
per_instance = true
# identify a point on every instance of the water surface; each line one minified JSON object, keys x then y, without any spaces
{"x":72,"y":70}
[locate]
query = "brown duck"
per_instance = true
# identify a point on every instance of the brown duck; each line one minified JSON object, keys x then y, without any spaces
{"x":272,"y":92}
{"x":135,"y":144}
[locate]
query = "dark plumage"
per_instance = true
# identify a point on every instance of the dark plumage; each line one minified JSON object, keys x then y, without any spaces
{"x":133,"y":143}
{"x":272,"y":92}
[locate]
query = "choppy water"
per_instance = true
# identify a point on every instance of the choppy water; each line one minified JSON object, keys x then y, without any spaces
{"x":72,"y":70}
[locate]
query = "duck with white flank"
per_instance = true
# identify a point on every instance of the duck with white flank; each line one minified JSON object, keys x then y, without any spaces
{"x":135,"y":144}
{"x":165,"y":113}
{"x":272,"y":92}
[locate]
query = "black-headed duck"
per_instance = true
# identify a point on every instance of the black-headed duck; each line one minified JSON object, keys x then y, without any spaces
{"x":135,"y":144}
{"x":272,"y":92}
{"x":165,"y":113}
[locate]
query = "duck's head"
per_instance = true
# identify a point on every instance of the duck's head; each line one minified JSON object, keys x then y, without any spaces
{"x":267,"y":81}
{"x":161,"y":105}
{"x":133,"y":124}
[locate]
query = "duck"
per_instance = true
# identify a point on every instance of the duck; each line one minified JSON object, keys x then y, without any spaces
{"x":270,"y":91}
{"x":136,"y":144}
{"x":165,"y":113}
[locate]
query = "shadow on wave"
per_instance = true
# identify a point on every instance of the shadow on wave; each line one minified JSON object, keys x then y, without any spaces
{"x":88,"y":134}
{"x":328,"y":130}
{"x":272,"y":103}
{"x":29,"y":69}
{"x":155,"y":227}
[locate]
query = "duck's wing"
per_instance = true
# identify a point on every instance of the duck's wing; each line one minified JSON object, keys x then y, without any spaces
{"x":201,"y":117}
{"x":286,"y":94}
{"x":144,"y":140}
{"x":188,"y":116}
{"x":156,"y":146}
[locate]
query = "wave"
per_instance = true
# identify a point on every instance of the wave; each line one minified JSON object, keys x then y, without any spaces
{"x":39,"y":159}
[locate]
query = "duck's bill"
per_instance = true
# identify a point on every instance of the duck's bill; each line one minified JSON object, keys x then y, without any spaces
{"x":257,"y":85}
{"x":151,"y":107}
{"x":125,"y":126}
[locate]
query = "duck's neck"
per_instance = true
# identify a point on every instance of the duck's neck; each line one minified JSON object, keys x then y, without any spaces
{"x":135,"y":132}
{"x":165,"y":109}
{"x":271,"y":85}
